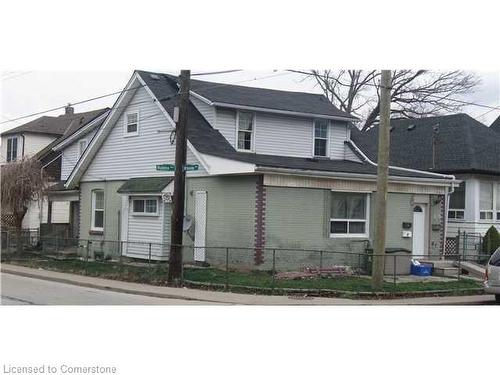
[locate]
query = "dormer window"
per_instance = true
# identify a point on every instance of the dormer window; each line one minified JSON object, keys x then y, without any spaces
{"x":245,"y":131}
{"x":131,"y":124}
{"x":320,"y":138}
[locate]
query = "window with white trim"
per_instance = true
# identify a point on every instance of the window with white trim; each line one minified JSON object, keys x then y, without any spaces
{"x":82,"y":145}
{"x":131,"y":123}
{"x":320,"y":138}
{"x":348,"y":217}
{"x":97,"y":223}
{"x":145,"y":206}
{"x":456,"y":210}
{"x":11,"y":149}
{"x":486,"y":211}
{"x":245,"y":130}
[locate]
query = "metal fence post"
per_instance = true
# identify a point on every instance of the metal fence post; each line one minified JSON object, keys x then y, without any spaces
{"x":87,"y":257}
{"x":274,"y":269}
{"x":227,"y":268}
{"x":121,"y":259}
{"x":459,"y":268}
{"x":394,"y":269}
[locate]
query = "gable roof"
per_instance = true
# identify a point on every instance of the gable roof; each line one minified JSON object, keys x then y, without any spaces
{"x":496,"y":125}
{"x":74,"y":127}
{"x":57,"y":125}
{"x":233,"y":95}
{"x":463,"y":144}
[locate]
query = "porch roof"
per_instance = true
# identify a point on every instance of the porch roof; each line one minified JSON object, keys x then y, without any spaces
{"x":145,"y":185}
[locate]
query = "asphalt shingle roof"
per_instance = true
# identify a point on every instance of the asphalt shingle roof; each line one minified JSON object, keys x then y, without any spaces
{"x":463,"y":144}
{"x":145,"y":185}
{"x":496,"y":125}
{"x":57,"y":125}
{"x":210,"y":141}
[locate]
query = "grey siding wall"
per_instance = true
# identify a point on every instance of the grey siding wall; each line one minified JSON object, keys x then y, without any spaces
{"x":122,"y":158}
{"x":226,"y":124}
{"x":70,"y":155}
{"x":338,"y":135}
{"x":205,"y":109}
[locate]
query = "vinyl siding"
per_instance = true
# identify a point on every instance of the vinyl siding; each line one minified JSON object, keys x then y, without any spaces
{"x":207,"y":110}
{"x":350,"y":155}
{"x":125,"y":157}
{"x":284,"y":135}
{"x":70,"y":155}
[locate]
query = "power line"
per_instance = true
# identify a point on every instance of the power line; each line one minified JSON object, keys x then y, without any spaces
{"x":492,"y":108}
{"x":134,"y":88}
{"x":219,"y":72}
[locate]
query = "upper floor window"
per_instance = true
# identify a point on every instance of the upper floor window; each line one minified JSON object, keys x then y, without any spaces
{"x":82,"y":145}
{"x":456,"y":210}
{"x":349,"y":215}
{"x":12,"y":149}
{"x":97,"y":222}
{"x":145,"y":206}
{"x":245,"y":130}
{"x":320,"y":138}
{"x":131,"y":123}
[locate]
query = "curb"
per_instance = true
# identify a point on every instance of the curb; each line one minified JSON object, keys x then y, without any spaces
{"x":108,"y":288}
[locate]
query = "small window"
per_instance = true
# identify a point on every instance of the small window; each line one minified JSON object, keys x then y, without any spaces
{"x":132,"y":123}
{"x":320,"y":138}
{"x":11,"y":149}
{"x":245,"y":130}
{"x":486,"y":201}
{"x":145,"y":206}
{"x":82,"y":145}
{"x":97,"y":210}
{"x":348,"y":215}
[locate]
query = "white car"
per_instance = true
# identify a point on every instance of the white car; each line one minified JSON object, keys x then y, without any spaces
{"x":492,"y":276}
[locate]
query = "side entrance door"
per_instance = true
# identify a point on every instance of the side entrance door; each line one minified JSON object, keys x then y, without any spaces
{"x":419,"y":231}
{"x":200,"y":225}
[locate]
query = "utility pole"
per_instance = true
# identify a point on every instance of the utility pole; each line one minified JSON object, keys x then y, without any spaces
{"x":175,"y":257}
{"x":382,"y":181}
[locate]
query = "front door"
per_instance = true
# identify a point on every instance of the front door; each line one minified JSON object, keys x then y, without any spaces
{"x":200,"y":225}
{"x":419,"y":231}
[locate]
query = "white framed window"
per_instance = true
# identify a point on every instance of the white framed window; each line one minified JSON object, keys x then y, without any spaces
{"x":456,"y":210}
{"x":11,"y":149}
{"x":246,"y":131}
{"x":349,"y":214}
{"x":82,"y":145}
{"x":486,"y":200}
{"x":145,"y":206}
{"x":320,"y":143}
{"x":131,"y":124}
{"x":97,"y":223}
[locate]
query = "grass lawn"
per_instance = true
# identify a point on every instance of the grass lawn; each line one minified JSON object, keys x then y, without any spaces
{"x":156,"y":274}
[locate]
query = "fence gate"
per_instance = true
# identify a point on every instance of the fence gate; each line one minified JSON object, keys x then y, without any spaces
{"x":200,"y":225}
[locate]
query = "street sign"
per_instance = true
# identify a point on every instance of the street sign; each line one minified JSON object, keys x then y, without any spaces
{"x":165,"y":167}
{"x":171,"y":167}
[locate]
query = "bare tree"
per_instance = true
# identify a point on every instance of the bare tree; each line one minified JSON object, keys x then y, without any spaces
{"x":415,"y":93}
{"x":22,"y":182}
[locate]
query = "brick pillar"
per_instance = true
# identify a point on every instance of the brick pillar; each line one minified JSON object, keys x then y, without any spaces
{"x":260,"y":221}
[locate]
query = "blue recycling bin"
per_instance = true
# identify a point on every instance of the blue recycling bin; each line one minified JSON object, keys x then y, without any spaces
{"x":421,"y":269}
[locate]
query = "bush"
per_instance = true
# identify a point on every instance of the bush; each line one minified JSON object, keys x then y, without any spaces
{"x":491,"y":240}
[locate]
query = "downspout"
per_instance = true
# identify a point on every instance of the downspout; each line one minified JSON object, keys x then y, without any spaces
{"x":450,"y":190}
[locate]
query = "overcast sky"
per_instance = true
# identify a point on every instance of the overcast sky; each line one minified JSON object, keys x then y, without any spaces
{"x":24,"y":92}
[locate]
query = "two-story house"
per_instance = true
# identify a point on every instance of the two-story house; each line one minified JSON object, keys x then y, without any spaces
{"x":36,"y":139}
{"x":268,"y":169}
{"x":453,"y":144}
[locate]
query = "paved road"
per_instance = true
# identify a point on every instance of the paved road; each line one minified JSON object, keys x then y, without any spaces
{"x":19,"y":290}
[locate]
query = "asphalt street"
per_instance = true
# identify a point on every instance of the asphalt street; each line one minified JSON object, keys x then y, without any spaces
{"x":19,"y":290}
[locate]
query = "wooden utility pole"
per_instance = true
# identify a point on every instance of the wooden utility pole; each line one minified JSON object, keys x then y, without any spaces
{"x":175,"y":257}
{"x":382,"y":181}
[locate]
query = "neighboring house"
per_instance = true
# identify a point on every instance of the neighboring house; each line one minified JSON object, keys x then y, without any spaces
{"x":35,"y":139}
{"x":276,"y":169}
{"x":454,"y":144}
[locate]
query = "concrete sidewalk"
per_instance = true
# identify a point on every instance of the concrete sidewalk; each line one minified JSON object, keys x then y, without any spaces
{"x":224,"y":297}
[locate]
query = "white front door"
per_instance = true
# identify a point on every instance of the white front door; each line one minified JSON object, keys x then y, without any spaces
{"x":419,"y":231}
{"x":200,"y":225}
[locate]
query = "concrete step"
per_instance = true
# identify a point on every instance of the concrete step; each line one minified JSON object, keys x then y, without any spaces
{"x":445,"y":271}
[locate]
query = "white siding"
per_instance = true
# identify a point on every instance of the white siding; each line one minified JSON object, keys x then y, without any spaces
{"x":226,"y":124}
{"x":60,"y":212}
{"x":36,"y":142}
{"x":121,"y":158}
{"x":350,"y":155}
{"x":70,"y":155}
{"x":146,"y":230}
{"x":207,"y":110}
{"x":338,"y":136}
